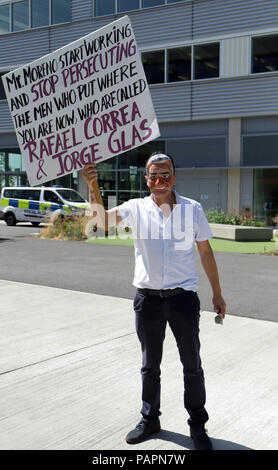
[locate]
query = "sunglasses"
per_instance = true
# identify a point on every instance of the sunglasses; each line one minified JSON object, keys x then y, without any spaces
{"x":165,"y":176}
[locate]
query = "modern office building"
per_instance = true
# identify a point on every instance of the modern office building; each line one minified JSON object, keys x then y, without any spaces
{"x":212,"y":67}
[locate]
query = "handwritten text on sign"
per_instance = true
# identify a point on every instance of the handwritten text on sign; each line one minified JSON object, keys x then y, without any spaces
{"x":83,"y":103}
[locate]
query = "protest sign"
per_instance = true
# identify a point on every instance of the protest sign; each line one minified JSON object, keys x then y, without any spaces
{"x":83,"y":103}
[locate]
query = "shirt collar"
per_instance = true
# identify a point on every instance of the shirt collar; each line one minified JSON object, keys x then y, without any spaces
{"x":151,"y":200}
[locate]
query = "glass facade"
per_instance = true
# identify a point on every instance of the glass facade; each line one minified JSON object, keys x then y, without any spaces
{"x":13,"y":173}
{"x":266,"y":195}
{"x":11,"y":161}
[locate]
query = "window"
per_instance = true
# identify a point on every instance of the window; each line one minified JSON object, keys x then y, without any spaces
{"x":30,"y":194}
{"x":127,"y":5}
{"x":50,"y":196}
{"x":11,"y":161}
{"x":139,"y":155}
{"x":260,"y":150}
{"x":61,"y":11}
{"x":20,"y":15}
{"x":265,"y":54}
{"x":179,"y":64}
{"x":15,"y":162}
{"x":9,"y":193}
{"x":16,"y":15}
{"x":105,"y":7}
{"x":152,"y":3}
{"x":70,"y":195}
{"x":4,"y":19}
{"x":40,"y":13}
{"x":266,"y":194}
{"x":206,"y":61}
{"x":154,"y":66}
{"x":204,"y":152}
{"x":2,"y":161}
{"x":110,"y":7}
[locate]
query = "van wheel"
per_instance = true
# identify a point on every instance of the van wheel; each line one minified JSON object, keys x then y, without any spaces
{"x":10,"y":219}
{"x":35,"y":224}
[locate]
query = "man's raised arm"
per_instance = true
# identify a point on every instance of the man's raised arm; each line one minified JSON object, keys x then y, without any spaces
{"x":103,"y":218}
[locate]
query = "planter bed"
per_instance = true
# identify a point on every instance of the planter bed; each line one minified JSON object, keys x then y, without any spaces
{"x":241,"y":233}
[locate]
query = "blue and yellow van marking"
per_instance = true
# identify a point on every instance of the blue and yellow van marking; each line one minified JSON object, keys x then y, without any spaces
{"x":33,"y":205}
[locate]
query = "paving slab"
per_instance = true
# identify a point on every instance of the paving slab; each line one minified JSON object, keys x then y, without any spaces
{"x":70,"y":375}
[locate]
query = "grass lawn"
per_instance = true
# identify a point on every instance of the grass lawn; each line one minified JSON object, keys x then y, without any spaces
{"x":111,"y":241}
{"x":216,"y":244}
{"x":231,"y":246}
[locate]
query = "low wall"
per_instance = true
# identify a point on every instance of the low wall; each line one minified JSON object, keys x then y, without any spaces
{"x":241,"y":233}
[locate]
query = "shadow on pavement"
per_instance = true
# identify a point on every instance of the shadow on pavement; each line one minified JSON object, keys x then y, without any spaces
{"x":26,"y":224}
{"x":187,"y":443}
{"x":6,"y":240}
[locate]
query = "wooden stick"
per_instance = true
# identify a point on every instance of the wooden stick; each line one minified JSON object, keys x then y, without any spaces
{"x":99,"y":201}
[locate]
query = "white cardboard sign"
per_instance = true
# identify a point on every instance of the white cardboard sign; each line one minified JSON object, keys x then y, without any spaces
{"x":83,"y":103}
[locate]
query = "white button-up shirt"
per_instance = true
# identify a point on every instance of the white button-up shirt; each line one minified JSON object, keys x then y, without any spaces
{"x":165,"y":246}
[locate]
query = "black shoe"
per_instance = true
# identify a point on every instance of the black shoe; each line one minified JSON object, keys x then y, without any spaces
{"x":200,"y":438}
{"x":142,"y":431}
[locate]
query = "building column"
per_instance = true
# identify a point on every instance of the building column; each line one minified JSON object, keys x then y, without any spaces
{"x":234,"y":151}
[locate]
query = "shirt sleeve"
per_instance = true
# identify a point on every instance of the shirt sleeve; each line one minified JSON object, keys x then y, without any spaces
{"x":203,"y":231}
{"x":127,"y":213}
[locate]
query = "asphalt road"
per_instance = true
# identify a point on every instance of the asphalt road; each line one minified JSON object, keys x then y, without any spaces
{"x":249,"y":282}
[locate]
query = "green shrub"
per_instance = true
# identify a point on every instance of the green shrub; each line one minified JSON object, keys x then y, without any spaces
{"x":216,"y":216}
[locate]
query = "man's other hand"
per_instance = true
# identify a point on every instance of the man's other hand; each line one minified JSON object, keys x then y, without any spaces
{"x":219,"y":305}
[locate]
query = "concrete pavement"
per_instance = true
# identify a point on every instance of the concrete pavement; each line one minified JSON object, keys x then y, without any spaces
{"x":70,"y":375}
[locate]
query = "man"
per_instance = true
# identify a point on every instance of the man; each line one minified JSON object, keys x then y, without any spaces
{"x":165,"y":227}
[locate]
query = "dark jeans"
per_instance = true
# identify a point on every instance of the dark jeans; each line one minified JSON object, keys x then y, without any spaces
{"x":182,"y":311}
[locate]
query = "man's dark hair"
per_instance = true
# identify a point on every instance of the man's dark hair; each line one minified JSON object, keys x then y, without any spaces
{"x":161,"y":153}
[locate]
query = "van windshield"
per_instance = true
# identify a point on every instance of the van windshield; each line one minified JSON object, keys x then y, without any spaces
{"x":70,"y":195}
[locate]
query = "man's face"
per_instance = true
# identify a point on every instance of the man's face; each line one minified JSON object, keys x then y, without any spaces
{"x":160,"y":178}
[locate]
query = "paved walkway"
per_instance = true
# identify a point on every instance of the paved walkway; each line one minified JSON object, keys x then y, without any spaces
{"x":70,"y":379}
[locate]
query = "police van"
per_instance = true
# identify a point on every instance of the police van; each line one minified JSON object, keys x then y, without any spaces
{"x":35,"y":205}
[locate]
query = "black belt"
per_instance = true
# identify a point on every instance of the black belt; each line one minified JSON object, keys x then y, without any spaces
{"x":162,"y":292}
